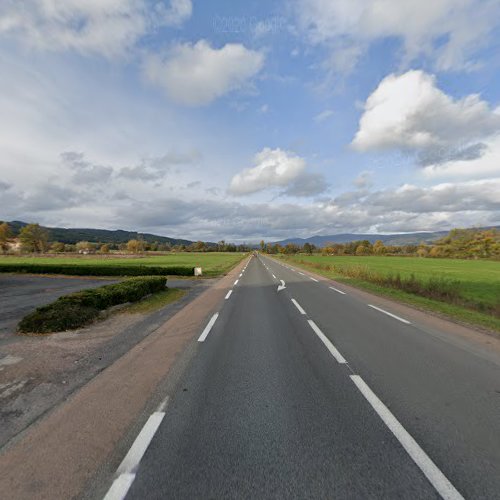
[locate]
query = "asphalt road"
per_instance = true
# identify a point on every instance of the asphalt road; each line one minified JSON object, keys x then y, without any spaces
{"x":321,"y":396}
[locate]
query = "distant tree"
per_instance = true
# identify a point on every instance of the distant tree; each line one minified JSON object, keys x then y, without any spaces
{"x":5,"y":234}
{"x":85,"y":247}
{"x":379,"y":248}
{"x":221,"y":246}
{"x":307,"y":248}
{"x":34,"y":238}
{"x":292,"y":248}
{"x":262,"y":245}
{"x":422,"y":250}
{"x":104,"y":248}
{"x":198,"y":246}
{"x":57,"y":247}
{"x":362,"y":250}
{"x":135,"y":246}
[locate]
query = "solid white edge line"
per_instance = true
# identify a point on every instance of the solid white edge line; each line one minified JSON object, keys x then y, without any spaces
{"x":298,"y":306}
{"x":163,"y":404}
{"x":337,"y":290}
{"x":207,"y":329}
{"x":442,"y":485}
{"x":133,"y":457}
{"x":314,"y":279}
{"x":229,"y":294}
{"x":333,"y":350}
{"x":390,"y":314}
{"x":120,"y":487}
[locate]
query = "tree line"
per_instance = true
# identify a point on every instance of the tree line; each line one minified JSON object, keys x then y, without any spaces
{"x":459,"y":243}
{"x":33,"y":238}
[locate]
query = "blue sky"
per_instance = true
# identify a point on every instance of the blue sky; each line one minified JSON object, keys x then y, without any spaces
{"x":248,"y":120}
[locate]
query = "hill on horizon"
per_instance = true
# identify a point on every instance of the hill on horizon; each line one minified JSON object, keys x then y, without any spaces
{"x":388,"y":239}
{"x":74,"y":235}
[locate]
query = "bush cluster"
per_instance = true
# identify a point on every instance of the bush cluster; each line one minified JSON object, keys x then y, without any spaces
{"x":101,"y":270}
{"x":78,"y":309}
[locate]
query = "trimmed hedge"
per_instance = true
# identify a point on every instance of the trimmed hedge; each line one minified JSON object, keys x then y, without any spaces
{"x":78,"y":309}
{"x":89,"y":270}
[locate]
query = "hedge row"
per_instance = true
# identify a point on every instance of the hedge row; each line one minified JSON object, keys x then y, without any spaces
{"x":104,"y":270}
{"x":77,"y":309}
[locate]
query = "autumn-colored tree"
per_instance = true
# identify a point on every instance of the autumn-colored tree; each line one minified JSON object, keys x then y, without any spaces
{"x":104,"y":248}
{"x":379,"y":248}
{"x":57,"y":247}
{"x":34,"y":238}
{"x":362,"y":250}
{"x":85,"y":247}
{"x":5,"y":234}
{"x":135,"y":246}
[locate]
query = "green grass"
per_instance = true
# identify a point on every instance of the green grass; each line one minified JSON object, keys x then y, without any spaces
{"x":213,"y":263}
{"x":479,"y":280}
{"x":155,"y":302}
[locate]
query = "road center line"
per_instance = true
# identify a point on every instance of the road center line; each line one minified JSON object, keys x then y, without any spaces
{"x":298,"y":306}
{"x":274,"y":276}
{"x":229,"y":294}
{"x":337,"y":290}
{"x":426,"y":465}
{"x":390,"y":314}
{"x":333,"y":350}
{"x":209,"y":326}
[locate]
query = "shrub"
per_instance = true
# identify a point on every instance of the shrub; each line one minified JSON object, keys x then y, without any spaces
{"x":80,"y":308}
{"x":101,"y":270}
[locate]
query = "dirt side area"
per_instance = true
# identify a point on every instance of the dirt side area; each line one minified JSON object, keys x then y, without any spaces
{"x":38,"y":372}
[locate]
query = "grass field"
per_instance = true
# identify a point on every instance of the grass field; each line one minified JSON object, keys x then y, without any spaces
{"x":479,"y":279}
{"x":213,"y":263}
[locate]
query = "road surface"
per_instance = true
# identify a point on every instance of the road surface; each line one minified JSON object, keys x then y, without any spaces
{"x":309,"y":392}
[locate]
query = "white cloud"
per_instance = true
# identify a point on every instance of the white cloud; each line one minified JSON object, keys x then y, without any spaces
{"x":450,"y":31}
{"x":409,"y":112}
{"x":273,"y":168}
{"x":324,"y":115}
{"x":198,"y":74}
{"x":486,"y":165}
{"x":105,"y":27}
{"x":178,"y":12}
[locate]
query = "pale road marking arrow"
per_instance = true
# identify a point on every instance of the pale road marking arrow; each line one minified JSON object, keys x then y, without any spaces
{"x":282,"y":286}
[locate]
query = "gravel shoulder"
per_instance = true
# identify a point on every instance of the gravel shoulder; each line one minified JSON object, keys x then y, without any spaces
{"x":38,"y":372}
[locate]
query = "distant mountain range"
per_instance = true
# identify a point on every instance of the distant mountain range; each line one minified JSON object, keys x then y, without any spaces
{"x":73,"y":235}
{"x":387,"y":239}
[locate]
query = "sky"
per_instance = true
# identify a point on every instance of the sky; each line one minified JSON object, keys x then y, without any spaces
{"x":246,"y":120}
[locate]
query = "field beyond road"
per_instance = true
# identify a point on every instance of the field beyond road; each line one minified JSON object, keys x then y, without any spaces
{"x":479,"y":279}
{"x":212,"y":263}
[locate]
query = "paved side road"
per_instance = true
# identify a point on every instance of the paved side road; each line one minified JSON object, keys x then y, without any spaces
{"x":308,"y":392}
{"x":21,"y":294}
